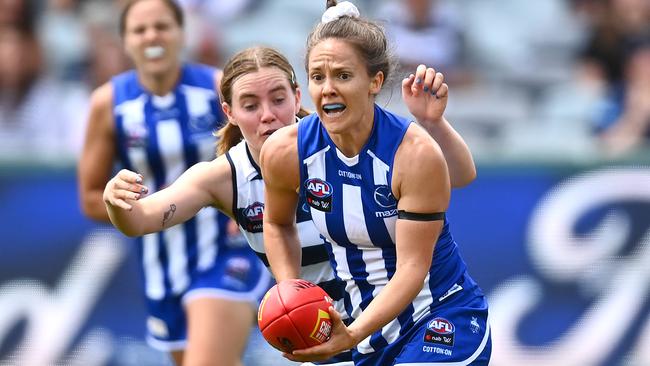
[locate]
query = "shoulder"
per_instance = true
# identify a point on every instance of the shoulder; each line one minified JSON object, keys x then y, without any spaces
{"x":237,"y":149}
{"x":200,"y":75}
{"x":199,"y":68}
{"x":101,"y":103}
{"x":283,"y":141}
{"x":418,"y":146}
{"x":102,"y":96}
{"x":418,"y":143}
{"x":280,"y":152}
{"x":237,"y":156}
{"x":124,"y":77}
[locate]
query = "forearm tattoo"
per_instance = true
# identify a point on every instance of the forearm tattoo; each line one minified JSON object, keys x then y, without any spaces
{"x":169,"y":214}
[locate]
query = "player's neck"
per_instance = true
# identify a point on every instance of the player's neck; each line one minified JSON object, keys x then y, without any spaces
{"x":351,"y":141}
{"x":160,"y":84}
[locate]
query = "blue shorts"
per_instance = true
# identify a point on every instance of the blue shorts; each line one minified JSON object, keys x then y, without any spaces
{"x":455,"y":332}
{"x":237,"y":275}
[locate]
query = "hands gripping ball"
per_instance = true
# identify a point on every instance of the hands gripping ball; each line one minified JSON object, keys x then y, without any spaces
{"x":294,"y":315}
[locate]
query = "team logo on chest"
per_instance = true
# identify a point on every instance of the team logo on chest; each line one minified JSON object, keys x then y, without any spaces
{"x":386,"y":201}
{"x":319,"y":194}
{"x":136,"y":135}
{"x":384,"y":197}
{"x":250,"y":218}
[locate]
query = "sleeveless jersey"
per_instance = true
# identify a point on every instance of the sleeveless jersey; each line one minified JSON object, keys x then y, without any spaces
{"x":248,"y":208}
{"x":352,"y":205}
{"x":160,"y":137}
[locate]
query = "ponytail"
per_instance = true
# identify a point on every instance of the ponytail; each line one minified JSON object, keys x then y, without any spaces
{"x":228,"y":136}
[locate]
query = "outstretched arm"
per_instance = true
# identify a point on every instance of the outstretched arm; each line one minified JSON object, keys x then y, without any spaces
{"x":425,"y":93}
{"x":279,"y":164}
{"x":204,"y":184}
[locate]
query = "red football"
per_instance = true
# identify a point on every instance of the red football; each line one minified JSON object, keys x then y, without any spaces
{"x":293,"y":315}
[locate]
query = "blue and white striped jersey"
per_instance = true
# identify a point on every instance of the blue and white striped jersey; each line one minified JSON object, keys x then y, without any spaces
{"x":160,"y":137}
{"x":249,"y":211}
{"x":352,"y":205}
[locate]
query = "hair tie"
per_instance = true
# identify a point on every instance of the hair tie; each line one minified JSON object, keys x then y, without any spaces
{"x":342,"y":9}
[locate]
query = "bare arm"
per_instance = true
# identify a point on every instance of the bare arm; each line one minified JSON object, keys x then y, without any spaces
{"x":418,"y":190}
{"x":425,"y":94}
{"x":279,"y":164}
{"x":98,"y":154}
{"x":204,"y":184}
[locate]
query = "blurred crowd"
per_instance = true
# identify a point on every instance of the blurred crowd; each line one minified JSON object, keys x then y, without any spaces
{"x":556,"y":78}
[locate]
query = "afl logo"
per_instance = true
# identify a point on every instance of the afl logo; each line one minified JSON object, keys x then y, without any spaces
{"x":255,"y":212}
{"x":250,"y":217}
{"x":384,"y":197}
{"x":319,"y":194}
{"x":318,"y":188}
{"x":441,"y":326}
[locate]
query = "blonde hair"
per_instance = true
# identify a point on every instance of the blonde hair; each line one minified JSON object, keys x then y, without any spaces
{"x":245,"y":62}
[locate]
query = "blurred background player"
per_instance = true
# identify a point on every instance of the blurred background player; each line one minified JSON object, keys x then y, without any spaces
{"x":159,"y":120}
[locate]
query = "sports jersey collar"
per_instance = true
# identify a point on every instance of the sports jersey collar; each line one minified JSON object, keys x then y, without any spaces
{"x":252,"y":171}
{"x":351,"y":161}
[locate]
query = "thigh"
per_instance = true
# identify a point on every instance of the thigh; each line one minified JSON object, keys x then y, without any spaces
{"x":457,"y":333}
{"x":218,"y":330}
{"x":221,"y":305}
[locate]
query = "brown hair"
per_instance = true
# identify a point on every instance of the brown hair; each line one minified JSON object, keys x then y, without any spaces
{"x":171,"y":4}
{"x":366,"y":36}
{"x":245,"y":62}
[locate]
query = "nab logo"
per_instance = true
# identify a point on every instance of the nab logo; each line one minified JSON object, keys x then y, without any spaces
{"x":255,"y":212}
{"x":441,"y":326}
{"x":319,"y":188}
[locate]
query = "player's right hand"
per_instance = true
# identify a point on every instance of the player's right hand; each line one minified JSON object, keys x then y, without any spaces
{"x":124,"y":187}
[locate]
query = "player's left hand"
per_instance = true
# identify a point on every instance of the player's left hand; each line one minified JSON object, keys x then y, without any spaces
{"x":425,"y":95}
{"x":340,"y":340}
